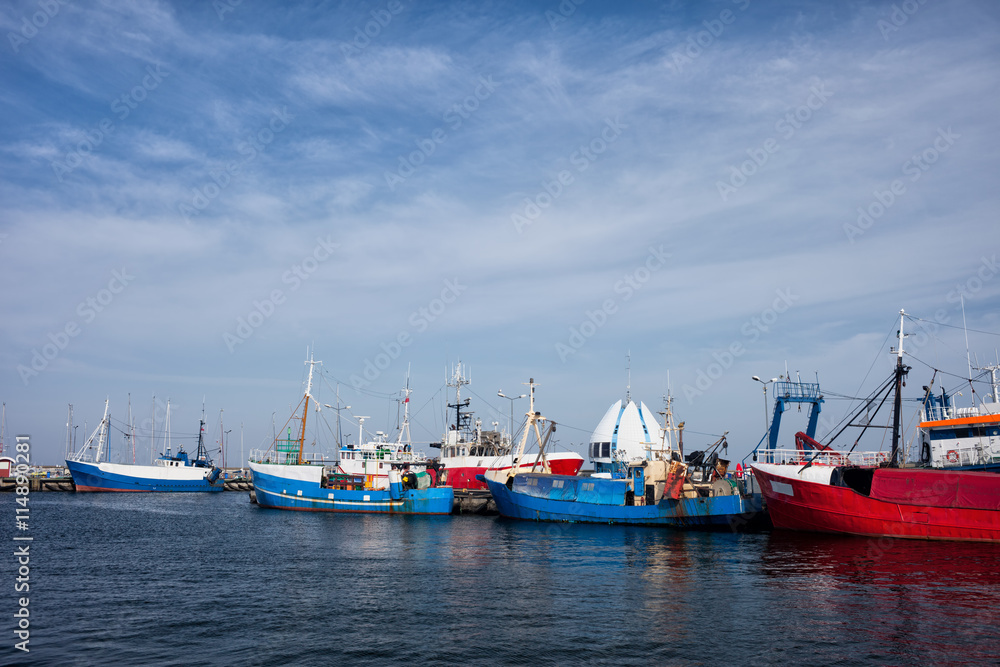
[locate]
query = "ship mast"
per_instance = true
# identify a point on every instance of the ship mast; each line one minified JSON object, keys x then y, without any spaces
{"x":305,"y":407}
{"x":406,"y":413}
{"x":102,"y":438}
{"x":532,"y":425}
{"x":201,"y":454}
{"x":898,"y":401}
{"x":461,"y":419}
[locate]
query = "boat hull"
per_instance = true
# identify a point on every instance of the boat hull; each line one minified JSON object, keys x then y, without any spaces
{"x":463,"y":471}
{"x":298,"y":488}
{"x":117,"y":477}
{"x":929,"y":506}
{"x":721,"y":512}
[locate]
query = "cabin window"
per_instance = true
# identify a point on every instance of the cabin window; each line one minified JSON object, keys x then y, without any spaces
{"x":588,"y":486}
{"x":557,"y":483}
{"x":606,"y":450}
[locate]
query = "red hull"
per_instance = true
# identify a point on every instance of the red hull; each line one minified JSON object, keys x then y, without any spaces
{"x":939,"y":505}
{"x":465,"y":477}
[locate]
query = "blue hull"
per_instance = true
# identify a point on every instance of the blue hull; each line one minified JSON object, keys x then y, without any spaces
{"x":89,"y":477}
{"x":290,"y":494}
{"x":729,"y":512}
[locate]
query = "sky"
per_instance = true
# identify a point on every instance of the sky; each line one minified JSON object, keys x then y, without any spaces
{"x":604,"y":197}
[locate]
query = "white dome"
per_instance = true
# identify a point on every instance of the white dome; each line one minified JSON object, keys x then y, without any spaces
{"x":628,"y":429}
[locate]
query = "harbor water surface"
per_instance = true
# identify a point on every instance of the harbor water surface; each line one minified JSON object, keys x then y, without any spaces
{"x":210,"y":579}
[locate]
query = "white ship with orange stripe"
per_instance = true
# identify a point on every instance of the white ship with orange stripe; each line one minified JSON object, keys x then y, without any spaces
{"x":961,"y":438}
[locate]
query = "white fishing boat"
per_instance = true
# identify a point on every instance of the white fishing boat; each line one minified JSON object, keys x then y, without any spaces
{"x":93,"y":471}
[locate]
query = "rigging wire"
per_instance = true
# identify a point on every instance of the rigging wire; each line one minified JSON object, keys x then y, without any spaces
{"x":951,"y":326}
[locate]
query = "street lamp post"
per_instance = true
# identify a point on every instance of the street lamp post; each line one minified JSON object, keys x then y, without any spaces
{"x":764,"y":383}
{"x":511,"y":399}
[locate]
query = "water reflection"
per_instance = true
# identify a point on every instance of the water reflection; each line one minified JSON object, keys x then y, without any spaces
{"x":913,"y":599}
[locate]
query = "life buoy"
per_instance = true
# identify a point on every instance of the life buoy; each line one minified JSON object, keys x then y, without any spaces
{"x":952,"y":456}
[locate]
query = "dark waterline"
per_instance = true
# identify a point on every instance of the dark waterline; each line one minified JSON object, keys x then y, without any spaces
{"x":199,"y":579}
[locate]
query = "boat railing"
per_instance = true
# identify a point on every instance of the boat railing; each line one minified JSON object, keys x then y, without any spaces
{"x":284,"y":458}
{"x":795,"y":456}
{"x":969,"y":455}
{"x":82,"y":457}
{"x":799,"y":390}
{"x":938,"y":413}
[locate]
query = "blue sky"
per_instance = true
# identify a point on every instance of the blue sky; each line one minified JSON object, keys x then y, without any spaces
{"x":195,"y":192}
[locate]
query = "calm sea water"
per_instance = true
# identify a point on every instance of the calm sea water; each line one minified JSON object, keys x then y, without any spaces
{"x":213,"y":580}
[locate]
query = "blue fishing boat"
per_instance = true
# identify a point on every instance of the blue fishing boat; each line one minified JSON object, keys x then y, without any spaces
{"x":286,"y":478}
{"x":660,"y":489}
{"x":168,"y":473}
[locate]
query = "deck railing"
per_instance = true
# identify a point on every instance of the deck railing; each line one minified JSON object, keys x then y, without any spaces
{"x":285,"y":458}
{"x":794,"y":456}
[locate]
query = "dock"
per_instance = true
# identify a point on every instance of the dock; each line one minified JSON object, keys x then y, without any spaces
{"x":36,"y":484}
{"x":474,"y":501}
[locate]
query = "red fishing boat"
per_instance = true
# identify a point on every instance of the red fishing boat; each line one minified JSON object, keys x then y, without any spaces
{"x":468,"y":451}
{"x":816,"y":488}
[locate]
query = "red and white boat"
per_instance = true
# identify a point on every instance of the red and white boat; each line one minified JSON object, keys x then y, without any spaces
{"x":858,"y":493}
{"x":467,"y":450}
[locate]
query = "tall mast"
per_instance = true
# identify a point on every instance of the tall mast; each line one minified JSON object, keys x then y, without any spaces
{"x":69,"y":430}
{"x":131,"y":427}
{"x":152,"y":432}
{"x":898,"y":402}
{"x":667,"y":442}
{"x":102,"y":438}
{"x":406,"y":412}
{"x":340,"y":439}
{"x":167,"y":420}
{"x":530,"y":425}
{"x":628,"y":376}
{"x":992,"y":368}
{"x":222,"y":439}
{"x":305,"y":406}
{"x":457,"y":381}
{"x":201,"y":454}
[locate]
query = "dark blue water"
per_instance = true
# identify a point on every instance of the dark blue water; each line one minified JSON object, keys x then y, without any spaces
{"x":213,"y":580}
